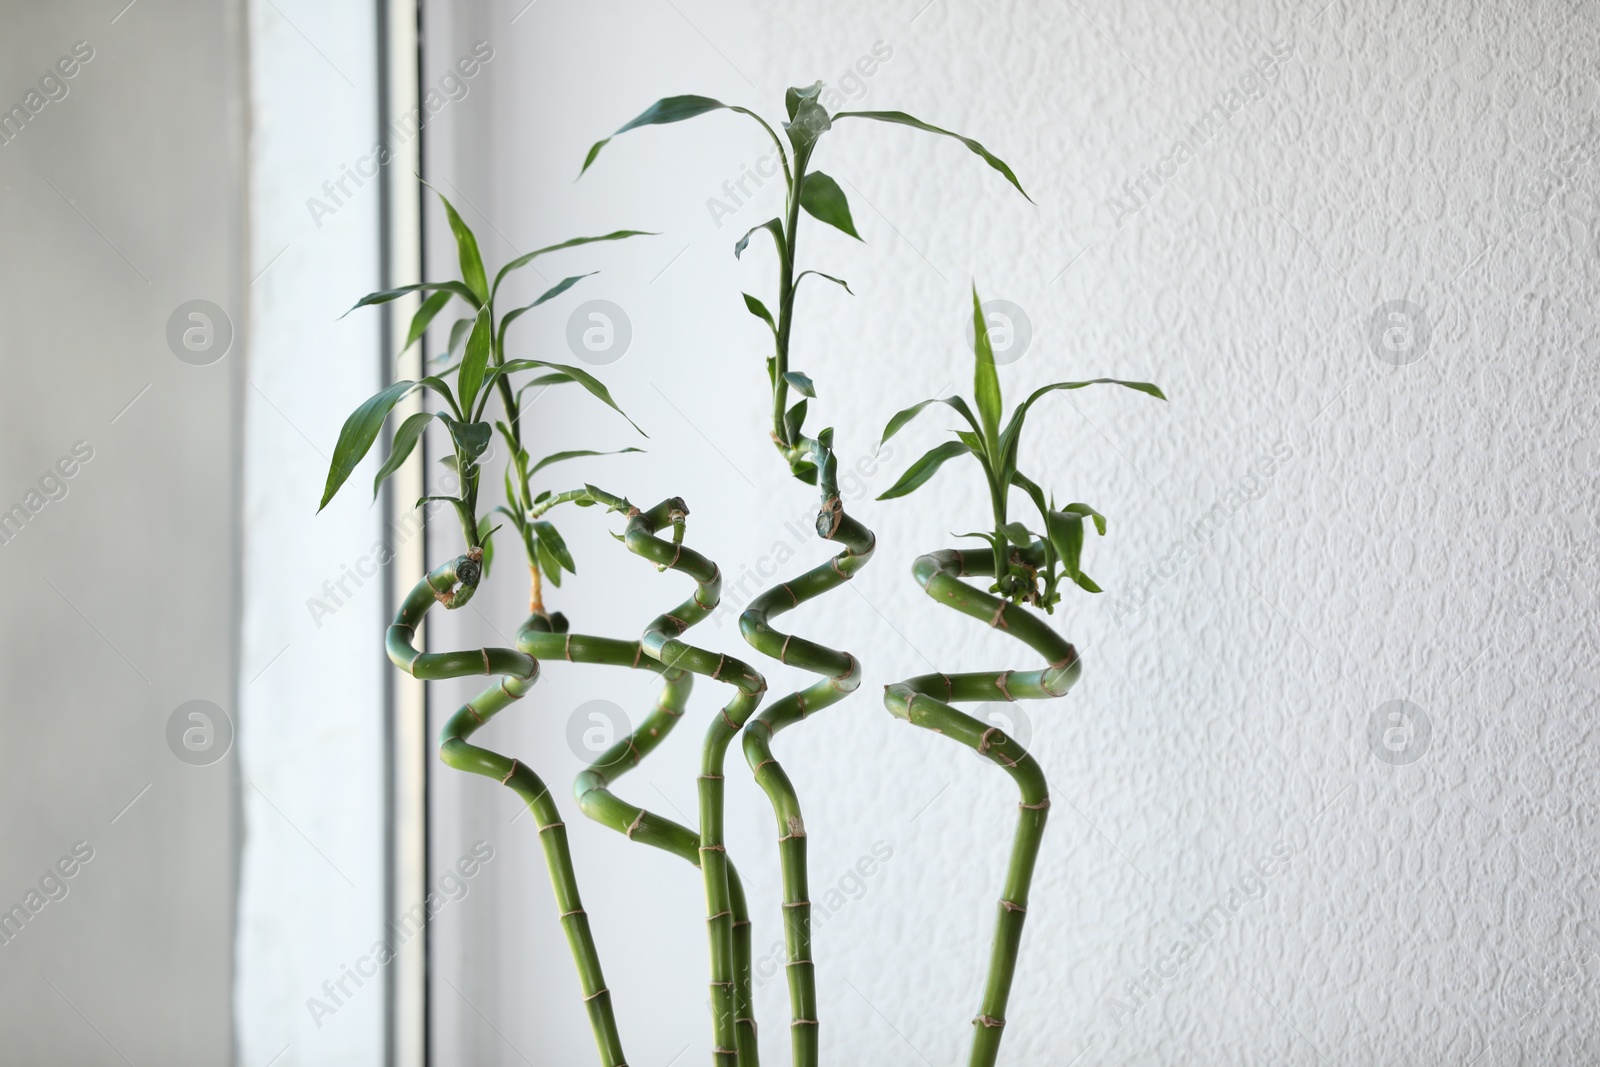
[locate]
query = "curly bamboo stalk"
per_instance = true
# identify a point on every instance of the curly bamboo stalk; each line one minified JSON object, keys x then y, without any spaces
{"x":451,"y":585}
{"x":842,"y":675}
{"x":662,"y":642}
{"x":926,"y":701}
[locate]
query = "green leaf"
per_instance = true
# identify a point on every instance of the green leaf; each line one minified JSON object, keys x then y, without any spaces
{"x":471,"y":438}
{"x":523,"y":260}
{"x":387,"y":295}
{"x":794,"y":419}
{"x":549,"y":294}
{"x":801,"y":383}
{"x":831,"y":278}
{"x":557,"y":457}
{"x":1066,"y":535}
{"x":986,"y":380}
{"x":440,"y":386}
{"x":549,"y":539}
{"x":475,"y":363}
{"x":900,"y":419}
{"x":486,"y":539}
{"x":924,"y":468}
{"x":1090,"y":513}
{"x":466,"y":251}
{"x":1017,"y":534}
{"x":663,"y":111}
{"x":419,"y":322}
{"x":547,"y":562}
{"x":793,"y":95}
{"x":582,"y":377}
{"x":759,"y":310}
{"x":458,"y":336}
{"x":553,"y":378}
{"x":772,"y":226}
{"x":809,"y":121}
{"x":405,"y":440}
{"x":823,"y":200}
{"x":357,"y":435}
{"x":1014,"y":425}
{"x":902,"y":119}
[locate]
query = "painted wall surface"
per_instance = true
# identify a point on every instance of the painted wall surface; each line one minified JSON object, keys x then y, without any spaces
{"x":1349,"y":502}
{"x":122,"y":191}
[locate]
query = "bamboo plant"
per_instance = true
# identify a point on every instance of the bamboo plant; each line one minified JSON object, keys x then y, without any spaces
{"x":480,"y":372}
{"x":813,"y":461}
{"x":1027,"y":568}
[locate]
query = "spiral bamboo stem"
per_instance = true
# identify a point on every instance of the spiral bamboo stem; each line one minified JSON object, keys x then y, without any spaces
{"x":926,"y":701}
{"x":842,"y":675}
{"x":662,"y":642}
{"x":518,"y":670}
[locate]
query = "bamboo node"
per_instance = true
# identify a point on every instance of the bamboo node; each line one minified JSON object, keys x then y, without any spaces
{"x":798,"y":963}
{"x":710,"y":778}
{"x":1043,"y":804}
{"x":1001,"y":682}
{"x":638,"y":650}
{"x":797,"y":903}
{"x":791,"y":593}
{"x":628,"y":833}
{"x":984,"y":741}
{"x":574,"y":911}
{"x":797,"y":826}
{"x":486,"y":668}
{"x":713,"y":848}
{"x":597,"y":993}
{"x":509,"y":773}
{"x":474,"y":711}
{"x":989,"y":1022}
{"x":834,"y":563}
{"x":784,"y":651}
{"x":551,"y":826}
{"x":1011,"y":905}
{"x":999,"y":620}
{"x":802,"y":1022}
{"x":721,"y":662}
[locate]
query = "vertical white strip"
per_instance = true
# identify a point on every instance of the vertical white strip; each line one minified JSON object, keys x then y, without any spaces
{"x":409,"y":749}
{"x":310,"y":982}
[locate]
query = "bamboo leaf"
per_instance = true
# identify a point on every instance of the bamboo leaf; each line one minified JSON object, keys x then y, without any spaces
{"x":900,"y":419}
{"x":458,"y":337}
{"x":523,"y":260}
{"x":466,"y":251}
{"x":793,"y":95}
{"x":759,"y":310}
{"x":1090,"y":513}
{"x":831,"y":278}
{"x":547,"y":562}
{"x":550,"y":539}
{"x":553,"y":378}
{"x":440,"y":386}
{"x":923,"y":469}
{"x":1017,"y":534}
{"x":405,"y":440}
{"x":475,"y":363}
{"x":823,"y":200}
{"x":582,"y":377}
{"x":801,"y":383}
{"x":558,"y":457}
{"x":1014,"y":425}
{"x":671,"y":109}
{"x":386,"y":295}
{"x":1066,"y":535}
{"x":772,"y":226}
{"x":425,"y":314}
{"x":357,"y":435}
{"x":549,"y":294}
{"x":794,"y":419}
{"x":986,"y":380}
{"x":486,"y":539}
{"x":902,"y":119}
{"x":471,"y":438}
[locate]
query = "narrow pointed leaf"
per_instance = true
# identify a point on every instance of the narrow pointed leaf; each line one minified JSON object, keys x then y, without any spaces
{"x":405,"y":441}
{"x":425,"y":314}
{"x":548,"y":562}
{"x":440,"y":386}
{"x":476,"y":362}
{"x":986,"y":380}
{"x":831,"y":278}
{"x":923,"y":469}
{"x":900,"y":419}
{"x":549,"y":294}
{"x":550,"y":539}
{"x":1066,"y":535}
{"x":794,"y":419}
{"x":466,"y":250}
{"x":794,"y":94}
{"x":486,"y":539}
{"x":663,"y":111}
{"x":582,"y":377}
{"x":386,"y":295}
{"x":902,"y":119}
{"x":557,"y":457}
{"x":772,"y":226}
{"x":458,"y":337}
{"x":825,"y":201}
{"x":1014,"y":425}
{"x":357,"y":435}
{"x":1090,"y":513}
{"x":523,"y":260}
{"x":801,"y":383}
{"x":759,"y":310}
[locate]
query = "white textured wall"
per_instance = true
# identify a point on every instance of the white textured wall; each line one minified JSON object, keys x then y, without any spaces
{"x":1431,"y":536}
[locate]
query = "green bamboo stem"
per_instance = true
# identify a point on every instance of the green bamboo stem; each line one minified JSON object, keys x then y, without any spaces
{"x":546,"y":638}
{"x":662,"y":642}
{"x":518,"y":670}
{"x":842,"y":675}
{"x":926,"y":701}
